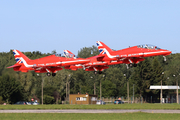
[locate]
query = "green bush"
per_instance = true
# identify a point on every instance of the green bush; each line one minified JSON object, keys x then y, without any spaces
{"x":48,"y":99}
{"x":1,"y":100}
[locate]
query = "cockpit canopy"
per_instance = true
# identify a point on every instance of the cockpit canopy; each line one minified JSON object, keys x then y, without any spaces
{"x":148,"y":46}
{"x":59,"y":55}
{"x":67,"y":55}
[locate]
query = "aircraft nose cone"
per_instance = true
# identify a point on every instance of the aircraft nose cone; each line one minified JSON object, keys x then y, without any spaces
{"x":168,"y":52}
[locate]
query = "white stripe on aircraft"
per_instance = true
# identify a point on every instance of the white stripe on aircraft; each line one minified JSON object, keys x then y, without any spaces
{"x":111,"y":56}
{"x":28,"y":65}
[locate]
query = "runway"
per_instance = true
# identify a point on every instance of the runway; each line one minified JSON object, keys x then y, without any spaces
{"x":89,"y":111}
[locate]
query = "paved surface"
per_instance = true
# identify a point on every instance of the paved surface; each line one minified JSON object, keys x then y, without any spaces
{"x":88,"y":111}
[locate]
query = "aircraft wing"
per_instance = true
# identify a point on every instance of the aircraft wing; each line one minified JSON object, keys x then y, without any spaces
{"x":98,"y":57}
{"x":62,"y":63}
{"x":89,"y":66}
{"x":96,"y":64}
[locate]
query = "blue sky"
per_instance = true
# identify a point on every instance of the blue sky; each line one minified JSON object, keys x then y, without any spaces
{"x":47,"y":25}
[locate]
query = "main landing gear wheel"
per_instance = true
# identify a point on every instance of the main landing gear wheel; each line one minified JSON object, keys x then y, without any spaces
{"x":100,"y":72}
{"x":48,"y":74}
{"x":53,"y":74}
{"x":134,"y":65}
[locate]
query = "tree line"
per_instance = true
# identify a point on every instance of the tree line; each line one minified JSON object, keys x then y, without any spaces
{"x":18,"y":86}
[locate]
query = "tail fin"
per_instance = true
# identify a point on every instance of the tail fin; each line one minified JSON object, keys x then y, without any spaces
{"x":20,"y":57}
{"x":102,"y":47}
{"x":69,"y":54}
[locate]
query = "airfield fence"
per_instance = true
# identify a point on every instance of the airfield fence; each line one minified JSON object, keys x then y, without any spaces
{"x":110,"y":100}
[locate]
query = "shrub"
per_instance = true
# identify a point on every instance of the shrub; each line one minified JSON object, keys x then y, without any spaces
{"x":48,"y":99}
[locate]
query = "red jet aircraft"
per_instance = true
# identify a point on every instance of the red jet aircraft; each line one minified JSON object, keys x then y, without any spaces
{"x":131,"y":55}
{"x":52,"y":63}
{"x":107,"y":56}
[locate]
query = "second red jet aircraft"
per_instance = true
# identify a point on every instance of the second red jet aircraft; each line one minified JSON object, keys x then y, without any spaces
{"x":107,"y":56}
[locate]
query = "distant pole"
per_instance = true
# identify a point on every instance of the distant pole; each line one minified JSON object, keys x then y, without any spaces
{"x":177,"y":90}
{"x":94,"y":85}
{"x":66,"y":90}
{"x":127,"y":87}
{"x":133,"y":93}
{"x":100,"y":89}
{"x":161,"y":87}
{"x":94,"y":88}
{"x":161,"y":91}
{"x":151,"y":99}
{"x":69,"y":86}
{"x":128,"y":90}
{"x":42,"y":89}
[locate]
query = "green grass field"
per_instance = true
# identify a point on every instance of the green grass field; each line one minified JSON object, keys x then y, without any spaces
{"x":91,"y":116}
{"x":108,"y":106}
{"x":88,"y":116}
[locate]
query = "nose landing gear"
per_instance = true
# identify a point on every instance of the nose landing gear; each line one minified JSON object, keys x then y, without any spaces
{"x":164,"y":58}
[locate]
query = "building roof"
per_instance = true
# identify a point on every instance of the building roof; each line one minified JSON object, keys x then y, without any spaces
{"x":163,"y":87}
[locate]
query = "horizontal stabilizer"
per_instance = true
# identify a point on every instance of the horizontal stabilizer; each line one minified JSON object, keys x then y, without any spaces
{"x":13,"y":66}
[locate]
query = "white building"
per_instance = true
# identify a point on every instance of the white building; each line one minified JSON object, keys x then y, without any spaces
{"x":168,"y":99}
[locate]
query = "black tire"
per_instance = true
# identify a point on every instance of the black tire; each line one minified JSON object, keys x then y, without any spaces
{"x":48,"y":74}
{"x":135,"y":65}
{"x":130,"y":65}
{"x":100,"y":72}
{"x":53,"y":74}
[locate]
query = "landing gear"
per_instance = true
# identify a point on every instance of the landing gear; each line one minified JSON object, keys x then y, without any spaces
{"x":134,"y":65}
{"x":99,"y":72}
{"x":164,"y":58}
{"x":127,"y":66}
{"x":95,"y":72}
{"x":48,"y":74}
{"x":131,"y":65}
{"x":53,"y":74}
